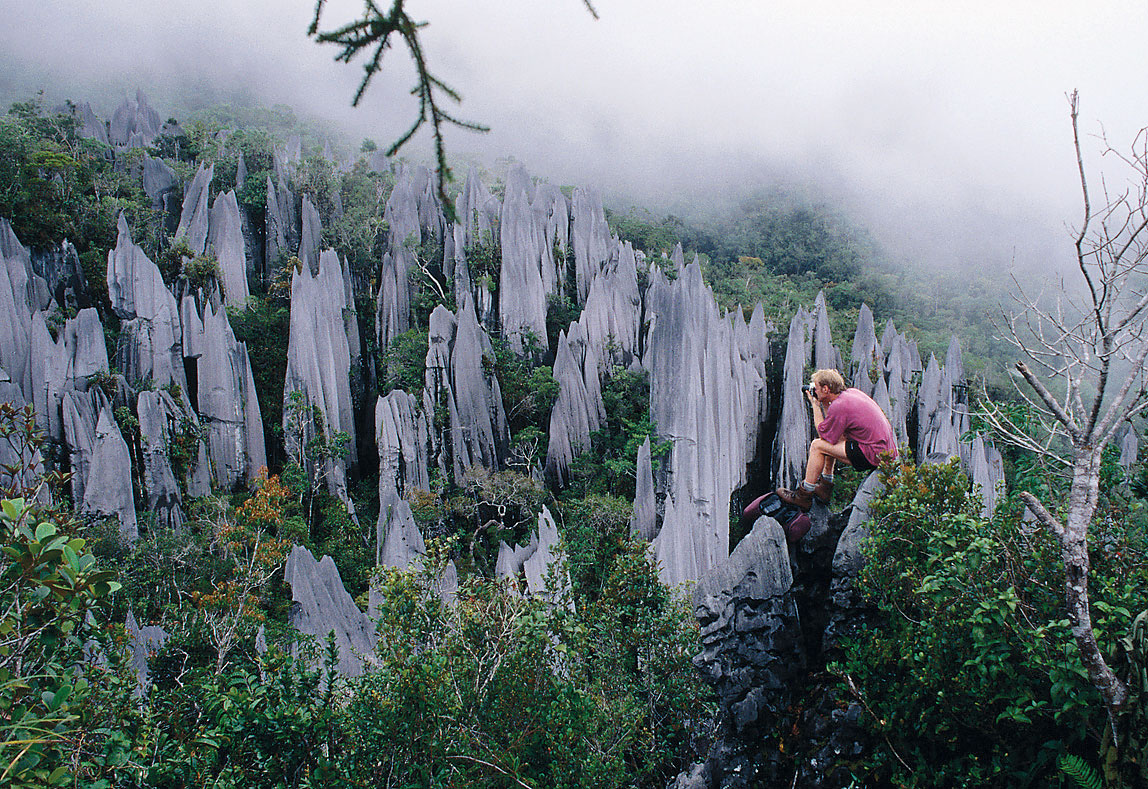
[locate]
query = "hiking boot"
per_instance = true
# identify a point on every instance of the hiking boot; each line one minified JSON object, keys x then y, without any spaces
{"x":800,"y":498}
{"x":823,"y":491}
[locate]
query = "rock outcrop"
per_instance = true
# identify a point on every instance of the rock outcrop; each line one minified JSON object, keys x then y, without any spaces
{"x":134,"y":124}
{"x":708,"y":398}
{"x":108,"y":483}
{"x":579,"y":410}
{"x":228,"y":403}
{"x":150,"y":346}
{"x":321,"y":605}
{"x":458,"y":376}
{"x":319,"y":362}
{"x":225,"y":239}
{"x":394,"y":301}
{"x":195,"y":218}
{"x":522,"y":293}
{"x":752,"y":651}
{"x":159,"y":416}
{"x":591,"y":239}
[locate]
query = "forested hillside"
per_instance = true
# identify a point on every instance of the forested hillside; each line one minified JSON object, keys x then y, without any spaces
{"x":311,"y":481}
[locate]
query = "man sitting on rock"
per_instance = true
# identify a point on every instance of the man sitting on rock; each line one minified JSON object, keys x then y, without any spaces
{"x":854,"y":431}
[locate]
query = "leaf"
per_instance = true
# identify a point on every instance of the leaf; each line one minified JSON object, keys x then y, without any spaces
{"x":44,"y":531}
{"x":12,"y":509}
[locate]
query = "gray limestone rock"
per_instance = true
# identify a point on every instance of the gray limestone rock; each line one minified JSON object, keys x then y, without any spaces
{"x":17,"y":303}
{"x":59,"y":280}
{"x":986,"y":468}
{"x":825,"y":355}
{"x":143,"y":642}
{"x":591,"y":239}
{"x":953,"y":361}
{"x":194,"y":219}
{"x":191,"y":322}
{"x":522,"y":302}
{"x":150,"y":347}
{"x":403,"y":438}
{"x":319,"y":360}
{"x":456,"y":374}
{"x":240,"y":172}
{"x":706,"y":381}
{"x":538,"y":565}
{"x":847,"y":608}
{"x":577,"y":412}
{"x":752,"y":651}
{"x":159,"y":180}
{"x":794,"y":428}
{"x":158,"y":416}
{"x":79,"y":411}
{"x":108,"y":487}
{"x":280,"y":223}
{"x":311,"y":240}
{"x":644,"y":521}
{"x":398,"y":541}
{"x":612,"y":316}
{"x":134,"y":124}
{"x":321,"y":606}
{"x":552,"y":215}
{"x":228,"y":404}
{"x":90,"y":125}
{"x":866,"y":351}
{"x":225,"y":238}
{"x":511,"y":561}
{"x":394,"y":301}
{"x":477,"y":210}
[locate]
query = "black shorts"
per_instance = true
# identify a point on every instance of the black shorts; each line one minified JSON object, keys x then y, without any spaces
{"x":856,"y":457}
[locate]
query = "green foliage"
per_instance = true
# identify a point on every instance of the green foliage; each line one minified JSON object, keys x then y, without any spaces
{"x":57,"y":185}
{"x":561,"y":311}
{"x":405,"y":362}
{"x":430,"y":287}
{"x":501,"y":688}
{"x":594,"y":530}
{"x":265,"y":327}
{"x":201,"y":272}
{"x":359,"y":234}
{"x":610,"y":466}
{"x":49,"y":583}
{"x":266,"y":721}
{"x":484,"y":261}
{"x":1080,"y":772}
{"x":528,"y":386}
{"x":639,"y":227}
{"x":972,"y":674}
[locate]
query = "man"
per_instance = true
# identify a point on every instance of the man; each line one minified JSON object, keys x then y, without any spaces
{"x":854,"y":431}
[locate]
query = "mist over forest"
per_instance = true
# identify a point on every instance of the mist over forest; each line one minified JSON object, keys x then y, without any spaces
{"x":942,"y":131}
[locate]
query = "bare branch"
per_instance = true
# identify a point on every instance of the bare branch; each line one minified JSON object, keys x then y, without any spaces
{"x":1042,"y":515}
{"x":1049,"y":400}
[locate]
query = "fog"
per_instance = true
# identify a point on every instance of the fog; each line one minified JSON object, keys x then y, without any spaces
{"x":941,"y":127}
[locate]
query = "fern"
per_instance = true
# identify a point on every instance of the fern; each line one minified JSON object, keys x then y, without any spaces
{"x":1080,"y":772}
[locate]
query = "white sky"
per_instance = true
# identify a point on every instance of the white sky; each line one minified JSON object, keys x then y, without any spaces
{"x":942,"y":126}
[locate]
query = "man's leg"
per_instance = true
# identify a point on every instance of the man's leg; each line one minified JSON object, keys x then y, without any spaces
{"x":823,"y":458}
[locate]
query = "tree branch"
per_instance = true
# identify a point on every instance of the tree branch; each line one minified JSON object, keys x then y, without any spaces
{"x":1050,"y":401}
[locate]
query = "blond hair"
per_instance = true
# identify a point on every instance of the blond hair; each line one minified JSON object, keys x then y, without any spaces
{"x":830,"y":378}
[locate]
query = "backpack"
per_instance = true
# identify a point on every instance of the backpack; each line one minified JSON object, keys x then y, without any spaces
{"x":794,"y":522}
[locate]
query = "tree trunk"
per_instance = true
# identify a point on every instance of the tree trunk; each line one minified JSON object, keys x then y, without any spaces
{"x":1074,"y":547}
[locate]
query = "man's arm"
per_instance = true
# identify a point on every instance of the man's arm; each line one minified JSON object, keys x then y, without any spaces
{"x":818,"y":417}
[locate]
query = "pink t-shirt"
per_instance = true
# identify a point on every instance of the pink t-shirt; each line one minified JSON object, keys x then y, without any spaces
{"x":855,"y":415}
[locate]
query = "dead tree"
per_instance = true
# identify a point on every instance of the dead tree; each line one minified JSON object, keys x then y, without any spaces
{"x":1084,"y":367}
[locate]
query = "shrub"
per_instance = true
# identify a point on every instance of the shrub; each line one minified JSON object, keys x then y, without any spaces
{"x":971,"y":675}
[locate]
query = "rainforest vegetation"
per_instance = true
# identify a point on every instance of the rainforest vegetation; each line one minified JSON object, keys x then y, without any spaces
{"x":967,"y":671}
